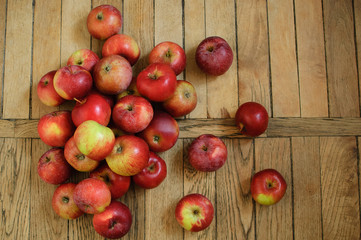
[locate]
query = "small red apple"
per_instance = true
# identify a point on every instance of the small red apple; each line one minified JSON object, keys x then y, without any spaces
{"x":251,"y":119}
{"x":46,"y":91}
{"x":85,"y":58}
{"x":63,"y":202}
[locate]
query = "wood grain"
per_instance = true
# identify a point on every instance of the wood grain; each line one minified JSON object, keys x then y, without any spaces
{"x":357,"y":14}
{"x":2,"y":49}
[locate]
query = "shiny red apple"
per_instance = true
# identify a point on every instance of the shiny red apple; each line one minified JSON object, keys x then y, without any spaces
{"x":252,"y":119}
{"x":46,"y":91}
{"x":63,"y":202}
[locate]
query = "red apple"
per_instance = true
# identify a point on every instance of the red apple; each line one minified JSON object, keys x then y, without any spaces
{"x":153,"y":174}
{"x":214,"y":56}
{"x":123,"y":45}
{"x":131,"y":90}
{"x":157,"y":82}
{"x":251,"y":119}
{"x":104,"y":21}
{"x":56,"y":128}
{"x":46,"y":91}
{"x":169,"y":53}
{"x":85,"y":58}
{"x":132,"y":113}
{"x":114,"y":222}
{"x":112,"y":74}
{"x":268,"y":187}
{"x":92,"y":195}
{"x":118,"y":185}
{"x":53,"y":168}
{"x":129,"y":155}
{"x":109,"y":98}
{"x":194,"y":212}
{"x":183,"y":101}
{"x":63,"y":202}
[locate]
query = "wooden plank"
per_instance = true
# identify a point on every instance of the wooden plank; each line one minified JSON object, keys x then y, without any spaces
{"x":311,"y":58}
{"x":341,"y":59}
{"x":340,"y":199}
{"x":275,"y":153}
{"x":7,"y":128}
{"x":285,"y":89}
{"x":307,"y":190}
{"x":2,"y":49}
{"x":234,"y":201}
{"x":17,"y":73}
{"x":357,"y":13}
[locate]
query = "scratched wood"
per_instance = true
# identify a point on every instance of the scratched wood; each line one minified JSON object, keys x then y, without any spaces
{"x":2,"y":48}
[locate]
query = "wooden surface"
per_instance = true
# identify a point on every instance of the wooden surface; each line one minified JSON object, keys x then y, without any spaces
{"x":301,"y":59}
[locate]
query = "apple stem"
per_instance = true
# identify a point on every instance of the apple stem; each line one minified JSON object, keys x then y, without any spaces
{"x":153,"y":76}
{"x":168,"y":54}
{"x":65,"y":199}
{"x":80,"y":101}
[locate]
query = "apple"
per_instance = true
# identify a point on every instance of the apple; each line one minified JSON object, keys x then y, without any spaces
{"x":53,"y":168}
{"x":108,"y":98}
{"x":85,"y":58}
{"x":162,"y":132}
{"x":114,"y":222}
{"x":56,"y":128}
{"x":131,"y":90}
{"x":72,"y":82}
{"x":194,"y":212}
{"x":183,"y":101}
{"x":123,"y":45}
{"x":118,"y":185}
{"x":132,"y":114}
{"x":157,"y":82}
{"x":129,"y":155}
{"x":214,"y":56}
{"x":153,"y":174}
{"x":46,"y":91}
{"x":169,"y":53}
{"x":104,"y":21}
{"x":112,"y":74}
{"x":268,"y":187}
{"x":63,"y":202}
{"x":252,"y":119}
{"x":94,"y":140}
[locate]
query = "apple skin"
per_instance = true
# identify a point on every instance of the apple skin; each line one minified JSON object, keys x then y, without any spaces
{"x":129,"y":155}
{"x":153,"y":174}
{"x":157,"y":82}
{"x":194,"y":212}
{"x":114,"y":222}
{"x":53,"y":168}
{"x":94,"y":140}
{"x":162,"y":132}
{"x":72,"y":82}
{"x":131,"y":90}
{"x":183,"y":101}
{"x":104,"y":21}
{"x":112,"y":74}
{"x":132,"y":114}
{"x":123,"y":45}
{"x":252,"y":119}
{"x":268,"y":187}
{"x":46,"y":91}
{"x":214,"y":56}
{"x":85,"y":58}
{"x":118,"y":185}
{"x":169,"y":53}
{"x":56,"y":128}
{"x":63,"y":203}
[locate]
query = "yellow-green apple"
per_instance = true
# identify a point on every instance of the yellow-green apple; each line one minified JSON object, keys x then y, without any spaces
{"x":104,"y":21}
{"x":268,"y":187}
{"x":72,"y":82}
{"x":194,"y":212}
{"x":207,"y":153}
{"x":153,"y":174}
{"x":92,"y":195}
{"x":131,"y":90}
{"x":214,"y":56}
{"x":63,"y":202}
{"x":132,"y":113}
{"x":183,"y":101}
{"x":251,"y":119}
{"x":161,"y":133}
{"x":123,"y":45}
{"x":56,"y":128}
{"x":118,"y":185}
{"x":114,"y":222}
{"x":94,"y":140}
{"x":157,"y":82}
{"x":169,"y":53}
{"x":85,"y":58}
{"x":46,"y":91}
{"x":78,"y":160}
{"x":112,"y":74}
{"x":53,"y":168}
{"x":129,"y":156}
